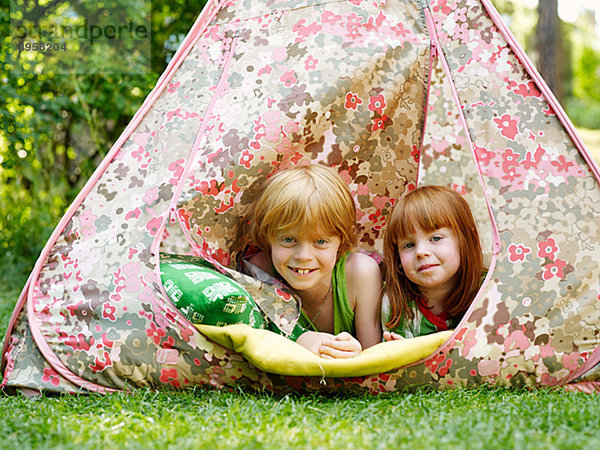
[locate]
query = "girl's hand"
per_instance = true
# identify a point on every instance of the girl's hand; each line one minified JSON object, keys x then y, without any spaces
{"x":344,"y":345}
{"x":391,"y":336}
{"x":329,"y":346}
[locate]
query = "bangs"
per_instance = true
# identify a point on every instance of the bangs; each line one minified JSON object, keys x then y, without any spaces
{"x":428,"y":217}
{"x":309,"y":212}
{"x":313,"y":199}
{"x":421,"y":211}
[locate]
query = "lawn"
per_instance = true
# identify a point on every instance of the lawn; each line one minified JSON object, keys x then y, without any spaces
{"x":477,"y":418}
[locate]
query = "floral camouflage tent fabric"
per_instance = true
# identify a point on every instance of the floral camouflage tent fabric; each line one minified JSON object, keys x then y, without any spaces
{"x":391,"y":93}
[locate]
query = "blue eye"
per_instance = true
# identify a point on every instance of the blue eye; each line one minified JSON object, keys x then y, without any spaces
{"x":436,"y":238}
{"x":321,"y":241}
{"x":287,"y":240}
{"x":408,"y":245}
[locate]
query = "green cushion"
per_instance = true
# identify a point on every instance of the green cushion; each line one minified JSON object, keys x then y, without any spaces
{"x":206,"y":296}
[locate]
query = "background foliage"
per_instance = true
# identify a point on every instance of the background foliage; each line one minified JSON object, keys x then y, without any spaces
{"x":578,"y":58}
{"x":55,"y":128}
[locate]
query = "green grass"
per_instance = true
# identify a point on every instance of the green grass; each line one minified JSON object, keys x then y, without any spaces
{"x":480,"y":418}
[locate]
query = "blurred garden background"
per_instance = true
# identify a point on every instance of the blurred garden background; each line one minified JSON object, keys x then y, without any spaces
{"x":56,"y":127}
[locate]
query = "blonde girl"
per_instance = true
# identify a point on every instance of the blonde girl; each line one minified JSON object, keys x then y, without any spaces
{"x":304,"y":222}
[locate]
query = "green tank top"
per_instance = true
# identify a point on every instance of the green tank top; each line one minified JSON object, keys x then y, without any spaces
{"x":343,"y":316}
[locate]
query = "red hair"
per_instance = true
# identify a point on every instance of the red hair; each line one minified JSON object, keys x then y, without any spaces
{"x":430,"y":208}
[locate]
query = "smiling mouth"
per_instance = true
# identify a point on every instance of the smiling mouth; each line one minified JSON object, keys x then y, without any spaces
{"x":425,"y":267}
{"x":302,"y":271}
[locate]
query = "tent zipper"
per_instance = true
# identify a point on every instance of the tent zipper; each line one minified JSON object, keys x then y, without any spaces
{"x":171,"y":213}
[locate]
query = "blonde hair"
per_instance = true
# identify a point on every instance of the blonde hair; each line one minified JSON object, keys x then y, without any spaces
{"x":312,"y":197}
{"x":430,"y":208}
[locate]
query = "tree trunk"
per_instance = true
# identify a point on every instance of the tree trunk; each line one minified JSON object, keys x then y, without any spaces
{"x":548,"y":45}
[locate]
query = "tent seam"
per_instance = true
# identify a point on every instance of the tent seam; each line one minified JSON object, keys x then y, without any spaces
{"x":495,"y":236}
{"x":427,"y":90}
{"x":172,"y":208}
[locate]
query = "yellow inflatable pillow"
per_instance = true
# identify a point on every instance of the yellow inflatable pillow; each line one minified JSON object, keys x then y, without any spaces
{"x":273,"y":353}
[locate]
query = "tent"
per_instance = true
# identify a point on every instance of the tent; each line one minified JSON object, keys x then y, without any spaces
{"x":392,"y":94}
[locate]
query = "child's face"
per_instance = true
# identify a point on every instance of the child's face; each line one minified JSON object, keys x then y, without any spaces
{"x":305,"y":260}
{"x":430,"y":259}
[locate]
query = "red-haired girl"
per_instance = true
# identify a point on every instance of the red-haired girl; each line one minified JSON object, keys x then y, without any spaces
{"x":433,"y":263}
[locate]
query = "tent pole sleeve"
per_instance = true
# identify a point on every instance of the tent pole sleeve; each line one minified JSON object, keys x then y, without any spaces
{"x":11,"y":324}
{"x":542,"y":85}
{"x":496,"y":245}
